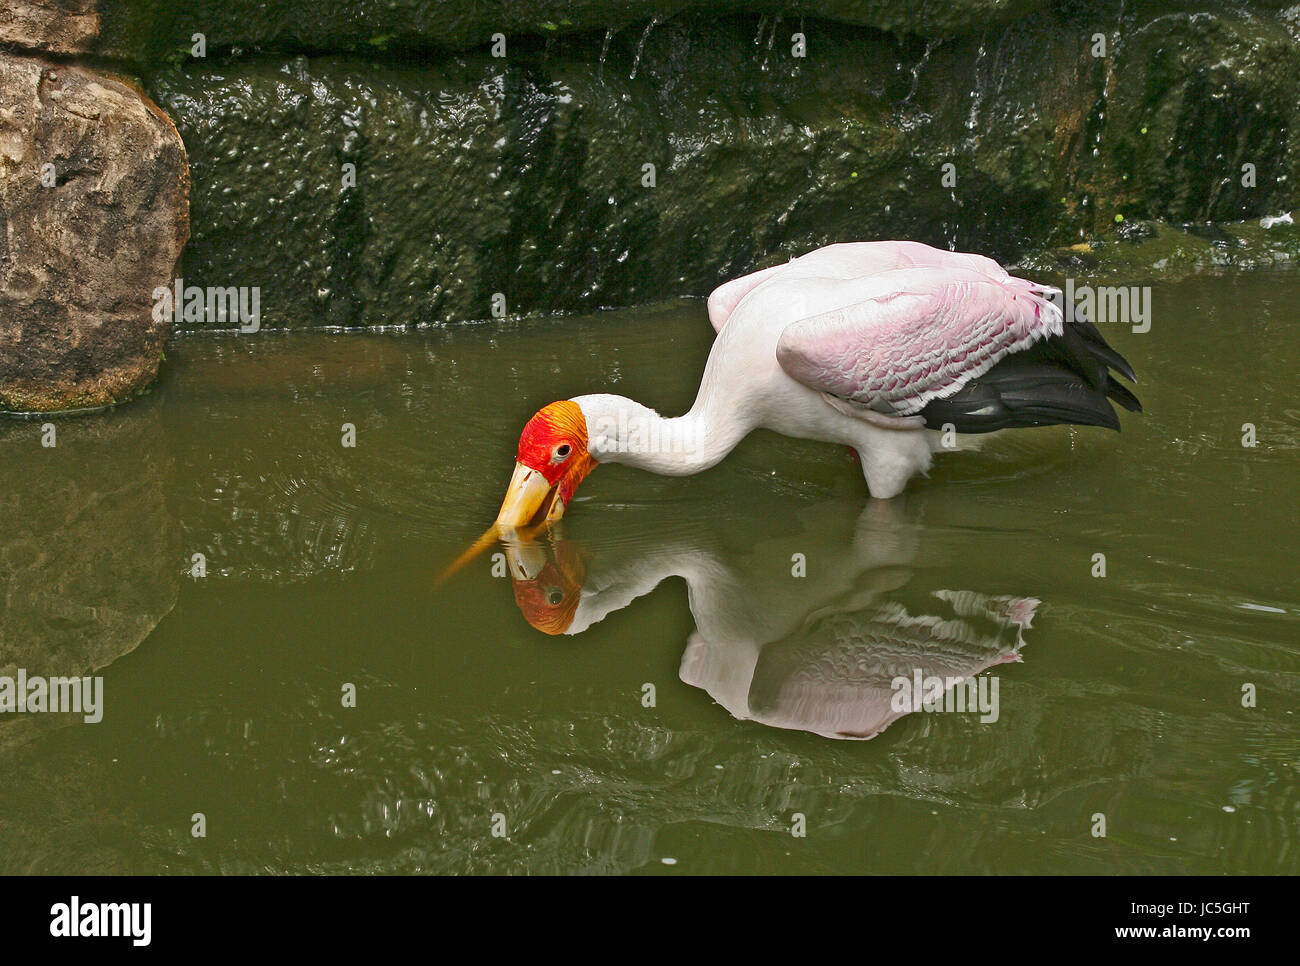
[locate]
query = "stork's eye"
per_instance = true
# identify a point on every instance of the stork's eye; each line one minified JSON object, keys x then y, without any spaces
{"x":562,"y":451}
{"x":554,"y":596}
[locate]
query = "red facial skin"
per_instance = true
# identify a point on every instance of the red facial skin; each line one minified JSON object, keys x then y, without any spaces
{"x":557,"y":425}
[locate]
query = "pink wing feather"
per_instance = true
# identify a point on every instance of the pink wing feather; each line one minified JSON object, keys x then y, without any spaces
{"x":917,"y":334}
{"x":846,"y":261}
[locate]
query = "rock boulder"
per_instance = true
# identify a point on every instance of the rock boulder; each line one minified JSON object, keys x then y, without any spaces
{"x":53,"y":26}
{"x":94,"y":212}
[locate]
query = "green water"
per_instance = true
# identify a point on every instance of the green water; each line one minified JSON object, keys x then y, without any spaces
{"x":223,"y":695}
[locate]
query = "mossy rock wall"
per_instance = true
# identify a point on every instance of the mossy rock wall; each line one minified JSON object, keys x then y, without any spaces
{"x":525,"y":176}
{"x":149,"y":30}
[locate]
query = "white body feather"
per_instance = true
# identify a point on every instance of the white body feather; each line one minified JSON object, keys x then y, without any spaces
{"x":861,"y":309}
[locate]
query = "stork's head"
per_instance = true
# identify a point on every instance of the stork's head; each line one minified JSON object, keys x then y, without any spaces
{"x":552,"y":460}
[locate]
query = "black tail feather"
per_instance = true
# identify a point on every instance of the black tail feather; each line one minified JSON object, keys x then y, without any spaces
{"x":1121,"y":394}
{"x":1061,"y":379}
{"x":1011,"y":396}
{"x":1100,"y":348}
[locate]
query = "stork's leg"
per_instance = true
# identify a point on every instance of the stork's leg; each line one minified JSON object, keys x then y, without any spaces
{"x":891,"y":457}
{"x":892,"y":449}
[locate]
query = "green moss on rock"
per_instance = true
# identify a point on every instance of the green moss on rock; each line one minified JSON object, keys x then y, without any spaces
{"x":155,"y":30}
{"x":528,"y":177}
{"x":524,"y":175}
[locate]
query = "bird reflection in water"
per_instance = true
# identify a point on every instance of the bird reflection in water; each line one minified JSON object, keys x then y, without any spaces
{"x":824,"y":654}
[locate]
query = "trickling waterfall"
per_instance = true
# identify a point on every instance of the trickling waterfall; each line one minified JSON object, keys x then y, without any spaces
{"x":604,"y":52}
{"x":771,"y":39}
{"x":930,"y":47}
{"x":640,"y":46}
{"x":976,"y":95}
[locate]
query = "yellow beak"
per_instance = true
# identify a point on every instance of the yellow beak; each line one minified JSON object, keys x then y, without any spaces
{"x":530,"y":502}
{"x":529,"y":499}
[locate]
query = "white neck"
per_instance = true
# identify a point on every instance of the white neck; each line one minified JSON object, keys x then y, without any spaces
{"x":620,"y":430}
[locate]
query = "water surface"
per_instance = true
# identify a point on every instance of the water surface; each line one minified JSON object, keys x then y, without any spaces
{"x":1119,"y":695}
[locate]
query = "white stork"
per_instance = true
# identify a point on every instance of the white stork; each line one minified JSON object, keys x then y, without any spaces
{"x":876,"y":345}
